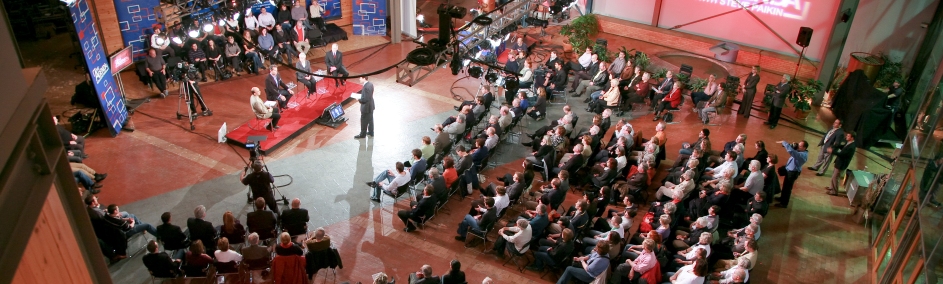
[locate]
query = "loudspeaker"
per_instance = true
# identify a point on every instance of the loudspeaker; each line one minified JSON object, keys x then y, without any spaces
{"x":805,"y":34}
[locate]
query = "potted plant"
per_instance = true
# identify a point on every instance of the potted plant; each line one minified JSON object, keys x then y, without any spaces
{"x":602,"y":53}
{"x":696,"y":84}
{"x":889,"y":72}
{"x":837,"y":80}
{"x":641,"y":60}
{"x":660,"y":73}
{"x":581,"y":31}
{"x":802,"y":94}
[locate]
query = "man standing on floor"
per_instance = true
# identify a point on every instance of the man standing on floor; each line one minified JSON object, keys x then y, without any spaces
{"x":335,"y":65}
{"x":749,"y":91}
{"x":366,"y":107}
{"x":797,"y":157}
{"x":831,"y":139}
{"x":843,"y":152}
{"x":779,"y":99}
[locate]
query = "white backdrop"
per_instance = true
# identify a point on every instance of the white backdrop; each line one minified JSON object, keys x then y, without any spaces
{"x":409,"y":18}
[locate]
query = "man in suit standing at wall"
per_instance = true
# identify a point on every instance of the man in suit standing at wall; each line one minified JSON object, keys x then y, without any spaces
{"x":831,"y":139}
{"x":276,"y":90}
{"x":779,"y":99}
{"x":335,"y":64}
{"x":749,"y":91}
{"x":366,"y":107}
{"x":843,"y":153}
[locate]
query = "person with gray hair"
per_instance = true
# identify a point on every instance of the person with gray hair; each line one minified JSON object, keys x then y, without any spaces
{"x":202,"y":230}
{"x":753,"y":183}
{"x":518,"y":236}
{"x":255,"y":251}
{"x":685,"y":239}
{"x":424,"y":276}
{"x":728,"y":276}
{"x":779,"y":99}
{"x":684,"y":187}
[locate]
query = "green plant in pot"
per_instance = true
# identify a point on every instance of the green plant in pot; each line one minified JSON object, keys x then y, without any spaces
{"x":641,"y":60}
{"x":581,"y":32}
{"x":696,"y":84}
{"x":660,"y":73}
{"x":802,"y":94}
{"x":602,"y":53}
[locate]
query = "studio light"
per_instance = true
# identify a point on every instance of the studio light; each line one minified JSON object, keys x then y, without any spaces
{"x":236,"y":16}
{"x":207,"y":28}
{"x":221,"y":23}
{"x":475,"y":72}
{"x":421,"y":18}
{"x":160,"y":40}
{"x":466,"y":62}
{"x":193,"y":33}
{"x":177,"y":40}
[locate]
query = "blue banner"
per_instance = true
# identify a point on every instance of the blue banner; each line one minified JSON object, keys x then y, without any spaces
{"x":332,"y":9}
{"x":369,"y":17}
{"x":98,"y":66}
{"x":136,"y":19}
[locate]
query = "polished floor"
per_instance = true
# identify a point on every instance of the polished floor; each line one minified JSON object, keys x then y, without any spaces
{"x":162,"y":166}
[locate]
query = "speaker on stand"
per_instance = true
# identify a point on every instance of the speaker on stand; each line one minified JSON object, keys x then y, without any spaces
{"x":805,"y":35}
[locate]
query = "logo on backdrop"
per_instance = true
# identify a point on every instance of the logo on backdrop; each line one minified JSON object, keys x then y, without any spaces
{"x":790,"y":9}
{"x":100,"y":72}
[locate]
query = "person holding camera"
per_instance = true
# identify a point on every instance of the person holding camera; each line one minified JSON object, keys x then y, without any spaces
{"x":798,"y":155}
{"x":261,"y":184}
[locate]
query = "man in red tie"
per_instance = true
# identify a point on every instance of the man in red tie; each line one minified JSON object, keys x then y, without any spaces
{"x":335,"y":64}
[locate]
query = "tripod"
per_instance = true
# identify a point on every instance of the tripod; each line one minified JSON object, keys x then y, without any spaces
{"x":272,"y":184}
{"x":189,"y":92}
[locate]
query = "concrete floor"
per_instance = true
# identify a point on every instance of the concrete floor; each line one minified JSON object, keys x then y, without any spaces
{"x":163,"y":167}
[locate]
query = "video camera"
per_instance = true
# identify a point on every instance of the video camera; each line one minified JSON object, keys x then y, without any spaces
{"x":184,"y":69}
{"x":253,"y":145}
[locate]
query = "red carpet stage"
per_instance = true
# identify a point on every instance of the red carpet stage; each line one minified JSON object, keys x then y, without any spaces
{"x":300,"y":115}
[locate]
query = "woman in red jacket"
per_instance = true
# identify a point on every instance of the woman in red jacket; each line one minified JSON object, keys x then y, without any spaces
{"x":672,"y":100}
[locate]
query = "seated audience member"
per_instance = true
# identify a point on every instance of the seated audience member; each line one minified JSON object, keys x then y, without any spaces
{"x":286,"y":247}
{"x":439,"y":188}
{"x":589,"y":266}
{"x":159,"y":263}
{"x":703,"y":143}
{"x":196,"y":256}
{"x":752,"y":185}
{"x":202,"y":230}
{"x":262,"y":221}
{"x":694,"y":273}
{"x":555,"y":254}
{"x":442,"y":140}
{"x":232,"y":229}
{"x":318,"y":241}
{"x":684,"y":187}
{"x":539,"y":110}
{"x":477,"y":224}
{"x":518,"y":237}
{"x":670,"y":101}
{"x":700,"y":250}
{"x":715,"y":102}
{"x":731,"y":275}
{"x":418,"y":209}
{"x":225,"y":254}
{"x":635,"y":268}
{"x":629,"y":202}
{"x":295,"y":219}
{"x":262,"y":111}
{"x":424,"y":276}
{"x":172,"y":236}
{"x":574,"y":163}
{"x":255,"y":252}
{"x":389,"y":182}
{"x":756,"y":206}
{"x":450,"y":173}
{"x":749,"y":254}
{"x":127,"y":223}
{"x":501,"y":200}
{"x":455,"y":275}
{"x":427,"y":149}
{"x":454,"y":129}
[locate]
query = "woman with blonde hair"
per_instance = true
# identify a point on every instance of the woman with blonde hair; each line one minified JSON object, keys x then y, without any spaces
{"x":232,"y":229}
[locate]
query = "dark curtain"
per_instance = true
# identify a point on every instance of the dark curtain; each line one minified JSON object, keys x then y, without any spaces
{"x":861,"y":108}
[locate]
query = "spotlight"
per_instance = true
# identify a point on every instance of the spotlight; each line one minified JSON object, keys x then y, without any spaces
{"x":177,"y":40}
{"x":208,"y":27}
{"x":236,"y":16}
{"x":475,"y":72}
{"x":491,"y":77}
{"x":160,"y":40}
{"x":421,"y":18}
{"x":193,"y":33}
{"x":495,"y":42}
{"x":221,"y":23}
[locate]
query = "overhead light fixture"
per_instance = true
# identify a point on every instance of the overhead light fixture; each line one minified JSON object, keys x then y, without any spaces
{"x":236,"y":16}
{"x":421,"y":18}
{"x":208,"y":27}
{"x":193,"y":33}
{"x":221,"y":22}
{"x":160,"y":40}
{"x":478,"y":55}
{"x":475,"y":72}
{"x":177,"y":40}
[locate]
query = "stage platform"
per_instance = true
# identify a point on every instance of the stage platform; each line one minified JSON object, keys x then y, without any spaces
{"x":301,"y":114}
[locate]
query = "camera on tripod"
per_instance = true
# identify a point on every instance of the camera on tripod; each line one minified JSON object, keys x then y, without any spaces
{"x":253,"y":143}
{"x":184,"y":69}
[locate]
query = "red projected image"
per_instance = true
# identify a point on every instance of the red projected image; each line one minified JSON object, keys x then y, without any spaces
{"x":742,"y":21}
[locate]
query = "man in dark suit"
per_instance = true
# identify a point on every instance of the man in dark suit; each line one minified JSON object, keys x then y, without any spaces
{"x":159,"y":263}
{"x":663,"y":89}
{"x":202,"y":230}
{"x":171,"y":235}
{"x":294,"y":220}
{"x":366,"y":106}
{"x":261,"y":221}
{"x":833,"y":137}
{"x":335,"y":65}
{"x":586,"y":74}
{"x":439,"y":189}
{"x":275,"y":88}
{"x":304,"y":69}
{"x":779,"y":99}
{"x":284,"y":39}
{"x":574,"y":163}
{"x":418,"y":209}
{"x":749,"y":91}
{"x":843,"y":152}
{"x":424,"y":276}
{"x":557,"y":81}
{"x":552,"y":60}
{"x":476,"y":224}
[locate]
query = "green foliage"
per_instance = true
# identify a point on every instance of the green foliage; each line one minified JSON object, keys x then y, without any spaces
{"x":661,"y":73}
{"x":840,"y":74}
{"x":603,"y":53}
{"x":641,"y":60}
{"x":581,"y":31}
{"x":889,"y":72}
{"x":696,"y":84}
{"x":802,"y":93}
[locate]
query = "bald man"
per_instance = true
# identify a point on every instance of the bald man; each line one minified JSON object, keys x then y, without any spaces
{"x":262,"y":111}
{"x":295,"y":219}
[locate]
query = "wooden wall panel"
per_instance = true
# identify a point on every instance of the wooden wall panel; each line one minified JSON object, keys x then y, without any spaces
{"x":108,"y":25}
{"x":52,"y":254}
{"x":347,"y":14}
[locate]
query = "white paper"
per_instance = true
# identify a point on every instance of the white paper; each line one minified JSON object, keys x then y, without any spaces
{"x":356,"y":95}
{"x":269,"y":103}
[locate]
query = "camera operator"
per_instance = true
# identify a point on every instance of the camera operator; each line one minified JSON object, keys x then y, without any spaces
{"x":261,"y":184}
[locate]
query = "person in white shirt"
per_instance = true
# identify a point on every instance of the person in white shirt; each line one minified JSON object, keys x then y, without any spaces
{"x":684,"y":187}
{"x":583,"y":61}
{"x":492,"y":140}
{"x":224,"y":254}
{"x":389,"y":181}
{"x":518,"y":236}
{"x":718,"y":172}
{"x":690,"y":274}
{"x":161,"y":42}
{"x":527,"y":76}
{"x":727,"y":276}
{"x":315,"y":13}
{"x":252,"y":23}
{"x":266,"y":20}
